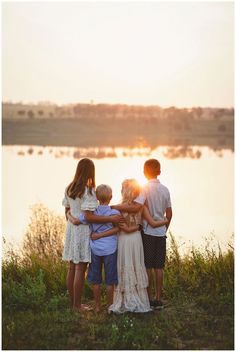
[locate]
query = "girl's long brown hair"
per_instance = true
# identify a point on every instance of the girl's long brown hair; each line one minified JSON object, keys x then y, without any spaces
{"x":85,"y":171}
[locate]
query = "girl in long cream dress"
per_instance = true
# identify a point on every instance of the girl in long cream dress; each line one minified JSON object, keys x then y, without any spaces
{"x":131,"y":291}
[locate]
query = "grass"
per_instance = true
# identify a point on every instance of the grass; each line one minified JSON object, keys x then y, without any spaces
{"x":198,"y":293}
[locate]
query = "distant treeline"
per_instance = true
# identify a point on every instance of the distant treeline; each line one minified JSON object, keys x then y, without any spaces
{"x":113,"y":111}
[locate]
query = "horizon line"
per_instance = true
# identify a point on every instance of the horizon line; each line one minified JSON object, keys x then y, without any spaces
{"x":93,"y":103}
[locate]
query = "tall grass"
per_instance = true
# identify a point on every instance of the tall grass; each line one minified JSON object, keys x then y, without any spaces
{"x":34,"y":280}
{"x":36,"y":273}
{"x":203,"y":274}
{"x":206,"y":275}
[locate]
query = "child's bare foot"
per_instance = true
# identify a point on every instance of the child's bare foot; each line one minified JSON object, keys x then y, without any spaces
{"x":85,"y":307}
{"x":98,"y":309}
{"x":82,"y":308}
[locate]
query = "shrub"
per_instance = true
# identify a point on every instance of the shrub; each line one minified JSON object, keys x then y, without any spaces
{"x":44,"y":235}
{"x":29,"y":293}
{"x":37,"y":271}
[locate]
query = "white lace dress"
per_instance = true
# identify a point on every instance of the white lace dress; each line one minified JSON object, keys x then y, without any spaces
{"x":131,"y":292}
{"x":76,"y":248}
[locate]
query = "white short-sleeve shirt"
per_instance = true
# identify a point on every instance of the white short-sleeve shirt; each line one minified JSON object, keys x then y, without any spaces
{"x":157,"y":198}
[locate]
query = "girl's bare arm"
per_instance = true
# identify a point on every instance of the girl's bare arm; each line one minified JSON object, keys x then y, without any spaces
{"x":169,"y":216}
{"x":90,"y":217}
{"x":96,"y":236}
{"x":73,"y":220}
{"x":154,"y":223}
{"x":128,"y":208}
{"x":66,"y":212}
{"x":128,"y":228}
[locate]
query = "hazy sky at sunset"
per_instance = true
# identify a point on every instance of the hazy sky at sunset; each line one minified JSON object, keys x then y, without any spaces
{"x":157,"y":53}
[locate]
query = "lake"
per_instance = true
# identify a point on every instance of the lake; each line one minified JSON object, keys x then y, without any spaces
{"x":200,"y":180}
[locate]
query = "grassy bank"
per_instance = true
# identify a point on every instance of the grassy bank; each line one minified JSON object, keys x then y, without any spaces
{"x":198,"y":293}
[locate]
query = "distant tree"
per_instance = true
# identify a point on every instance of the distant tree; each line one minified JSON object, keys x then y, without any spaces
{"x":21,"y":112}
{"x":40,"y":112}
{"x":198,"y":112}
{"x":30,"y":114}
{"x":30,"y":151}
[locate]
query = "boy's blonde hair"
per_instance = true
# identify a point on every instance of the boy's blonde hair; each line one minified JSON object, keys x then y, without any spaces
{"x":104,"y":193}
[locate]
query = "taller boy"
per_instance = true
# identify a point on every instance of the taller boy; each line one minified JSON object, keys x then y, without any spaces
{"x":157,"y":197}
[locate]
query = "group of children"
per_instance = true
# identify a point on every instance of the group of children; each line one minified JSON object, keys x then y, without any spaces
{"x":100,"y":234}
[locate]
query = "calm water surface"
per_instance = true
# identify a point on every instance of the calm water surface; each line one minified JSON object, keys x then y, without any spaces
{"x":200,"y":182}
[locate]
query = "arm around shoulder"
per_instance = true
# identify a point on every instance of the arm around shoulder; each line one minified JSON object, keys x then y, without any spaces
{"x":96,"y":236}
{"x":90,"y":217}
{"x":128,"y":208}
{"x":168,"y":216}
{"x":154,"y":223}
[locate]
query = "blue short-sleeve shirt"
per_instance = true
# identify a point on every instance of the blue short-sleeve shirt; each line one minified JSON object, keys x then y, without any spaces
{"x":106,"y":245}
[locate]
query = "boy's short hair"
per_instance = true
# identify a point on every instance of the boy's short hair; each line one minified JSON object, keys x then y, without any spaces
{"x":152,"y":168}
{"x":103,"y":193}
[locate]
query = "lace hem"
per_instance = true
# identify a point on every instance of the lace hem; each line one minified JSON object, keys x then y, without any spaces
{"x":135,"y":301}
{"x":130,"y":278}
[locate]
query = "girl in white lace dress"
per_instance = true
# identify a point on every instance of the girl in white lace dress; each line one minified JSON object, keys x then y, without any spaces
{"x":80,"y":198}
{"x":131,"y":291}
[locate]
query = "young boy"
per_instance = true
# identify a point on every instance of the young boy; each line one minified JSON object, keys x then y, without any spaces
{"x":103,"y":245}
{"x":157,"y":197}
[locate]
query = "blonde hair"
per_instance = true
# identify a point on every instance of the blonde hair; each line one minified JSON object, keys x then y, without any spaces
{"x":104,"y":193}
{"x":130,"y":190}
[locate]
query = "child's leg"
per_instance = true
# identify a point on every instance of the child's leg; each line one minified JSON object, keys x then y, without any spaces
{"x":159,"y":267}
{"x":111,"y":277}
{"x":149,"y":288}
{"x":79,"y":284}
{"x":110,"y":294}
{"x":97,"y":297}
{"x":70,"y":281}
{"x":149,"y":249}
{"x":159,"y":283}
{"x":95,"y":278}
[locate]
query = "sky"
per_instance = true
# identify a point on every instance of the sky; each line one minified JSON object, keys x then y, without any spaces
{"x":143,"y":53}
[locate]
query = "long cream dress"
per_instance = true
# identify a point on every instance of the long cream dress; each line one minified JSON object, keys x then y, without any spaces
{"x":131,"y":292}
